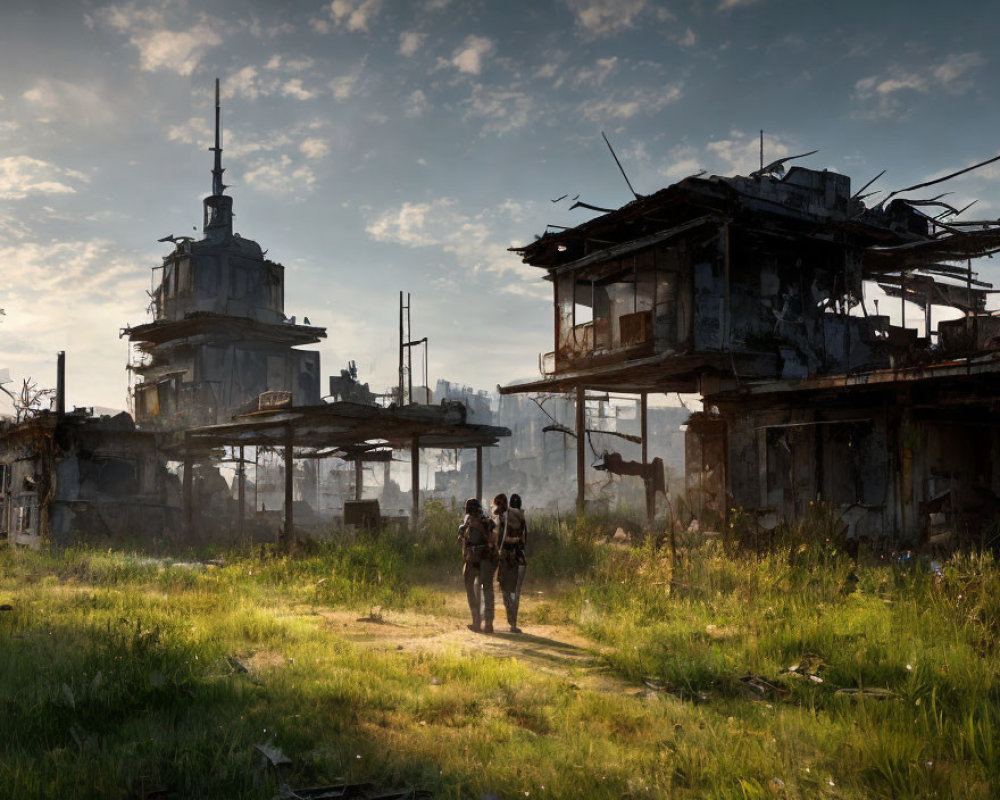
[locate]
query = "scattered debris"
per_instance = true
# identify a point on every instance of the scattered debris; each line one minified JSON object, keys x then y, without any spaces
{"x":807,"y":667}
{"x":236,"y":664}
{"x":272,"y":755}
{"x":761,"y":688}
{"x":876,"y":694}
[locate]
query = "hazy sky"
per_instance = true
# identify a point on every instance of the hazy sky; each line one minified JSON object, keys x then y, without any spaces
{"x":379,"y":145}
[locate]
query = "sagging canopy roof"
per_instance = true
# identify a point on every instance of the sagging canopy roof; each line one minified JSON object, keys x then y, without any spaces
{"x":815,"y":204}
{"x":222,"y":325}
{"x":348,"y":429}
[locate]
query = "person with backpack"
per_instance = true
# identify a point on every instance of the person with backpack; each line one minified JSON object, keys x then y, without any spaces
{"x":477,"y":534}
{"x":512,"y":530}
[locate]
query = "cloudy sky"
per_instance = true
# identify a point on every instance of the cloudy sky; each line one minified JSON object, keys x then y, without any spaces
{"x":379,"y":145}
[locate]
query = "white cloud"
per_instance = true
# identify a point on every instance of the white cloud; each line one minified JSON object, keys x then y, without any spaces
{"x":177,"y":51}
{"x":314,"y":148}
{"x":950,"y":72}
{"x":688,"y":39}
{"x":631,"y":103}
{"x":881,"y":96}
{"x":416,"y":104}
{"x":682,"y":161}
{"x":594,"y":77}
{"x":503,"y":110}
{"x":246,"y":82}
{"x":728,"y":5}
{"x":345,"y":86}
{"x":547,"y":71}
{"x":410,"y":42}
{"x":740,"y":153}
{"x":72,"y":295}
{"x":469,"y":238}
{"x":21,"y":176}
{"x":85,"y":269}
{"x":468,"y":58}
{"x":280,"y":176}
{"x":83,"y":104}
{"x":353,"y":17}
{"x":606,"y":17}
{"x":294,"y":88}
{"x":195,"y":131}
{"x":159,"y":47}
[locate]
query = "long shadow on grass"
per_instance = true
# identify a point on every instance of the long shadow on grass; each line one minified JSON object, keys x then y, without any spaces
{"x":118,"y":710}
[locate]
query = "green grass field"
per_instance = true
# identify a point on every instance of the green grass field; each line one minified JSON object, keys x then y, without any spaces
{"x":799,"y":674}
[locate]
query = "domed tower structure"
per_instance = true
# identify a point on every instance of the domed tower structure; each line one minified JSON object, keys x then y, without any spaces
{"x":219,"y":338}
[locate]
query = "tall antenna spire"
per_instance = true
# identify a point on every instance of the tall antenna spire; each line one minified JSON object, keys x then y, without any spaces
{"x":218,"y":206}
{"x":218,"y":187}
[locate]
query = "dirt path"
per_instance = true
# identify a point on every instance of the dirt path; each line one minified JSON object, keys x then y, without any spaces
{"x":558,"y":650}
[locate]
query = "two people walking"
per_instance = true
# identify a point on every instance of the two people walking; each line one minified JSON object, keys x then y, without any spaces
{"x":492,"y":544}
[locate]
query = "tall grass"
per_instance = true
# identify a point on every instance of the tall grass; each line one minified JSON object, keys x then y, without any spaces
{"x":121,"y":674}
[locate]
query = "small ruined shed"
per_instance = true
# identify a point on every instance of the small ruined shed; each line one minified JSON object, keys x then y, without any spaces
{"x":72,"y":478}
{"x":352,"y":431}
{"x":728,"y":285}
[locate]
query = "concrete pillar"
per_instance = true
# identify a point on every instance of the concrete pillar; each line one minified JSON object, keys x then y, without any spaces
{"x":359,"y":477}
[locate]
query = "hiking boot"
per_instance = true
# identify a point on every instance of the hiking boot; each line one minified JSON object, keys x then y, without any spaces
{"x":474,"y":627}
{"x":515,"y":629}
{"x":488,"y":628}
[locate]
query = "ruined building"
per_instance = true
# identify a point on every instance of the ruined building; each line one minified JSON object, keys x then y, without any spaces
{"x":69,"y":476}
{"x":751,"y":291}
{"x":219,"y":338}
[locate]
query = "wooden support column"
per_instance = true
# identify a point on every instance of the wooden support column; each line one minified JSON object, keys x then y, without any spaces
{"x":647,"y":481}
{"x":289,"y":485}
{"x":359,"y":477}
{"x":581,"y":435}
{"x":242,"y":484}
{"x":415,"y":478}
{"x":479,"y":473}
{"x":187,"y":500}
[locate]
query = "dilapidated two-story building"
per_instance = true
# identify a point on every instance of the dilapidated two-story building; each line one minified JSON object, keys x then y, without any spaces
{"x":751,"y":291}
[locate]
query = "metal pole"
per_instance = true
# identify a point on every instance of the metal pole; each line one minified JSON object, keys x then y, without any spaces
{"x":479,"y":473}
{"x":359,"y":478}
{"x":581,"y":432}
{"x":415,"y":477}
{"x":646,"y":480}
{"x":289,"y":475}
{"x":61,"y":383}
{"x":409,"y":352}
{"x":399,"y":398}
{"x":242,"y":483}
